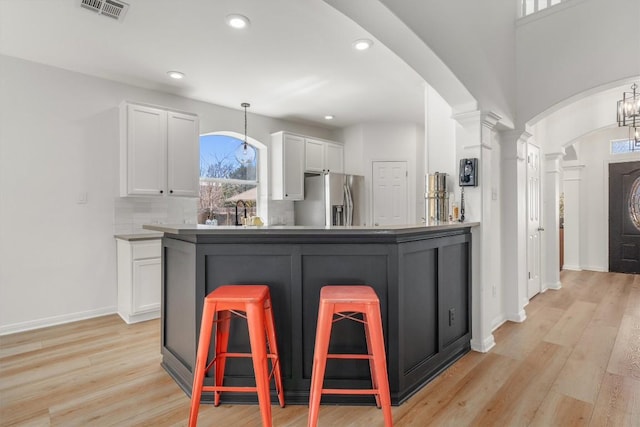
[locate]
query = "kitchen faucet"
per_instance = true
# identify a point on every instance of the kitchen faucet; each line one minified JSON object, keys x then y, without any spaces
{"x":244,"y":204}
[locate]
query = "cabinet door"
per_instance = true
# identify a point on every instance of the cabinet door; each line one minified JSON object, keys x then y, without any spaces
{"x":293,"y":160}
{"x":146,"y":150}
{"x":147,"y":282}
{"x":334,"y":157}
{"x":314,"y":156}
{"x":183,"y":154}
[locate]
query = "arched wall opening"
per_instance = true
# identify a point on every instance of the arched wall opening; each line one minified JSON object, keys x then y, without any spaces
{"x":575,"y":136}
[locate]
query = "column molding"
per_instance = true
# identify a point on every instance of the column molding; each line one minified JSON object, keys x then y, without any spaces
{"x":572,"y":177}
{"x":475,"y":138}
{"x":514,"y":207}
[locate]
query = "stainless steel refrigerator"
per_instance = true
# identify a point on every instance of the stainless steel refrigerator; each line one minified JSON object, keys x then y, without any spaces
{"x":331,"y":199}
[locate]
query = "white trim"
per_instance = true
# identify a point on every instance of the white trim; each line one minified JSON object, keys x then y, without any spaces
{"x":497,"y":322}
{"x":554,"y":286}
{"x":484,"y":346}
{"x":56,"y":320}
{"x":519,"y":317}
{"x":140,"y":317}
{"x":549,"y":10}
{"x":593,"y":268}
{"x":572,"y":267}
{"x":228,"y":181}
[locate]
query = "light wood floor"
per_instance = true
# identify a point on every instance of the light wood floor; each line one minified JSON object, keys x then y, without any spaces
{"x":574,"y":361}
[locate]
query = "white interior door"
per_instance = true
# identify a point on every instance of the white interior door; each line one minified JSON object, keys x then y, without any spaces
{"x":390,"y":199}
{"x":533,"y":220}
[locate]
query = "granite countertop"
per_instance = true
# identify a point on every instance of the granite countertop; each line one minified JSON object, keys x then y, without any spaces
{"x":199,"y":229}
{"x":139,"y":236}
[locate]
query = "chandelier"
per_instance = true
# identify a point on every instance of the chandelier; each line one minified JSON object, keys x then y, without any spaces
{"x":245,"y":153}
{"x":629,"y":115}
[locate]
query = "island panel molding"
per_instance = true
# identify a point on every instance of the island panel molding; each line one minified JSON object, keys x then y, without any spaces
{"x":422,"y":276}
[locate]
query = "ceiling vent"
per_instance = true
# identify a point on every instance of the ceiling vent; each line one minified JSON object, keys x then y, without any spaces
{"x":112,"y":8}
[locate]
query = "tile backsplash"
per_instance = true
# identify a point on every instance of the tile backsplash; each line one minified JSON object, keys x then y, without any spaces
{"x":131,"y":213}
{"x":280,"y":213}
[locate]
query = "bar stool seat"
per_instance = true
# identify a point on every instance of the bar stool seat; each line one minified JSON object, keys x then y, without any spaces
{"x":252,"y":302}
{"x":345,"y":302}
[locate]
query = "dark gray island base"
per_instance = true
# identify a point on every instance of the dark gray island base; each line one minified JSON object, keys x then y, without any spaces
{"x":422,"y":276}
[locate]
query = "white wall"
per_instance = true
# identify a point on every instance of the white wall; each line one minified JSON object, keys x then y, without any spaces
{"x":475,"y":40}
{"x":371,"y":142}
{"x":440,"y":131}
{"x":59,"y":138}
{"x":556,"y":48}
{"x":593,"y":202}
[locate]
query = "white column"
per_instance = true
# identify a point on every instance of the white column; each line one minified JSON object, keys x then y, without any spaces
{"x":514,"y":223}
{"x":551,"y":277}
{"x":474,"y":138}
{"x":572,"y":182}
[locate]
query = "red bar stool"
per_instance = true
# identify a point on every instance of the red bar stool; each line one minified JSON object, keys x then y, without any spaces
{"x":345,"y":302}
{"x":255,"y":302}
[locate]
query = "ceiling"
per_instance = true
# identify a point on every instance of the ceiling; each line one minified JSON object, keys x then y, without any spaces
{"x":295,"y":61}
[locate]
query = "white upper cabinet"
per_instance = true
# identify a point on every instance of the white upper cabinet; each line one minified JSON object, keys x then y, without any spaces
{"x":159,"y":152}
{"x":287,"y":166}
{"x":323,"y":156}
{"x":333,"y":157}
{"x":183,"y":161}
{"x":314,"y":155}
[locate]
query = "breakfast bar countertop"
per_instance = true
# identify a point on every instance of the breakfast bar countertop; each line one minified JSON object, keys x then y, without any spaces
{"x":200,"y":229}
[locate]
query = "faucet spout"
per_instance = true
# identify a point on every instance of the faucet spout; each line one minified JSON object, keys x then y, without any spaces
{"x":244,"y":205}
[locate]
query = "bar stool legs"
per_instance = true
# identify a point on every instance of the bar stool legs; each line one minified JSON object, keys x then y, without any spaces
{"x":255,"y":301}
{"x":345,"y":302}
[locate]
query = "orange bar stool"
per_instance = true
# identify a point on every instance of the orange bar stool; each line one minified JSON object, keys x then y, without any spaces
{"x":345,"y":302}
{"x":252,"y":302}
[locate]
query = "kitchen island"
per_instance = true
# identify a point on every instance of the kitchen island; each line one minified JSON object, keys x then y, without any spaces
{"x":422,"y":276}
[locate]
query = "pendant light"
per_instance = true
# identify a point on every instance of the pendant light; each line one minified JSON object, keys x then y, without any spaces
{"x":245,"y":153}
{"x":628,"y":114}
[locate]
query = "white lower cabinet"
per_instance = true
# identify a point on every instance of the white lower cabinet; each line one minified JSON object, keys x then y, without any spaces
{"x":139,"y":279}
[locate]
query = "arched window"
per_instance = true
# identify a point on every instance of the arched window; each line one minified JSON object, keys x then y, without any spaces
{"x":225,"y":182}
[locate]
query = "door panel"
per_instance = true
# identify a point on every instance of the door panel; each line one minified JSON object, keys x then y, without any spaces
{"x":533,"y":220}
{"x":390,"y":202}
{"x":624,"y":217}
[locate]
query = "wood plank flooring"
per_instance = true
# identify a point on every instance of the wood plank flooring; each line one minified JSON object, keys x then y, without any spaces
{"x":575,"y":361}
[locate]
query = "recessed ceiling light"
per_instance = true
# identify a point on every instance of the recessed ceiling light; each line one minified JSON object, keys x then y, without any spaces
{"x":362,"y":44}
{"x":328,"y":117}
{"x":175,"y":75}
{"x":237,"y":21}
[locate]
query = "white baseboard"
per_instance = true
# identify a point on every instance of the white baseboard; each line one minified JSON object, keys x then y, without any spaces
{"x":483,"y":346}
{"x":554,"y":286}
{"x":497,"y":322}
{"x":599,"y":269}
{"x":572,"y":267}
{"x":519,"y":317}
{"x":55,"y":320}
{"x":142,"y":317}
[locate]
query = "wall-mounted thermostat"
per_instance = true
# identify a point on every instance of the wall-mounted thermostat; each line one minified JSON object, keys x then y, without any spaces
{"x":468,"y":172}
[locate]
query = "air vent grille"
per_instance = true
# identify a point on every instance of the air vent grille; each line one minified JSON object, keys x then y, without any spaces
{"x":111,"y":8}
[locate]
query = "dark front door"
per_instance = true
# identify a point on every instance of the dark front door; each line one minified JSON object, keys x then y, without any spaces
{"x":624,"y":217}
